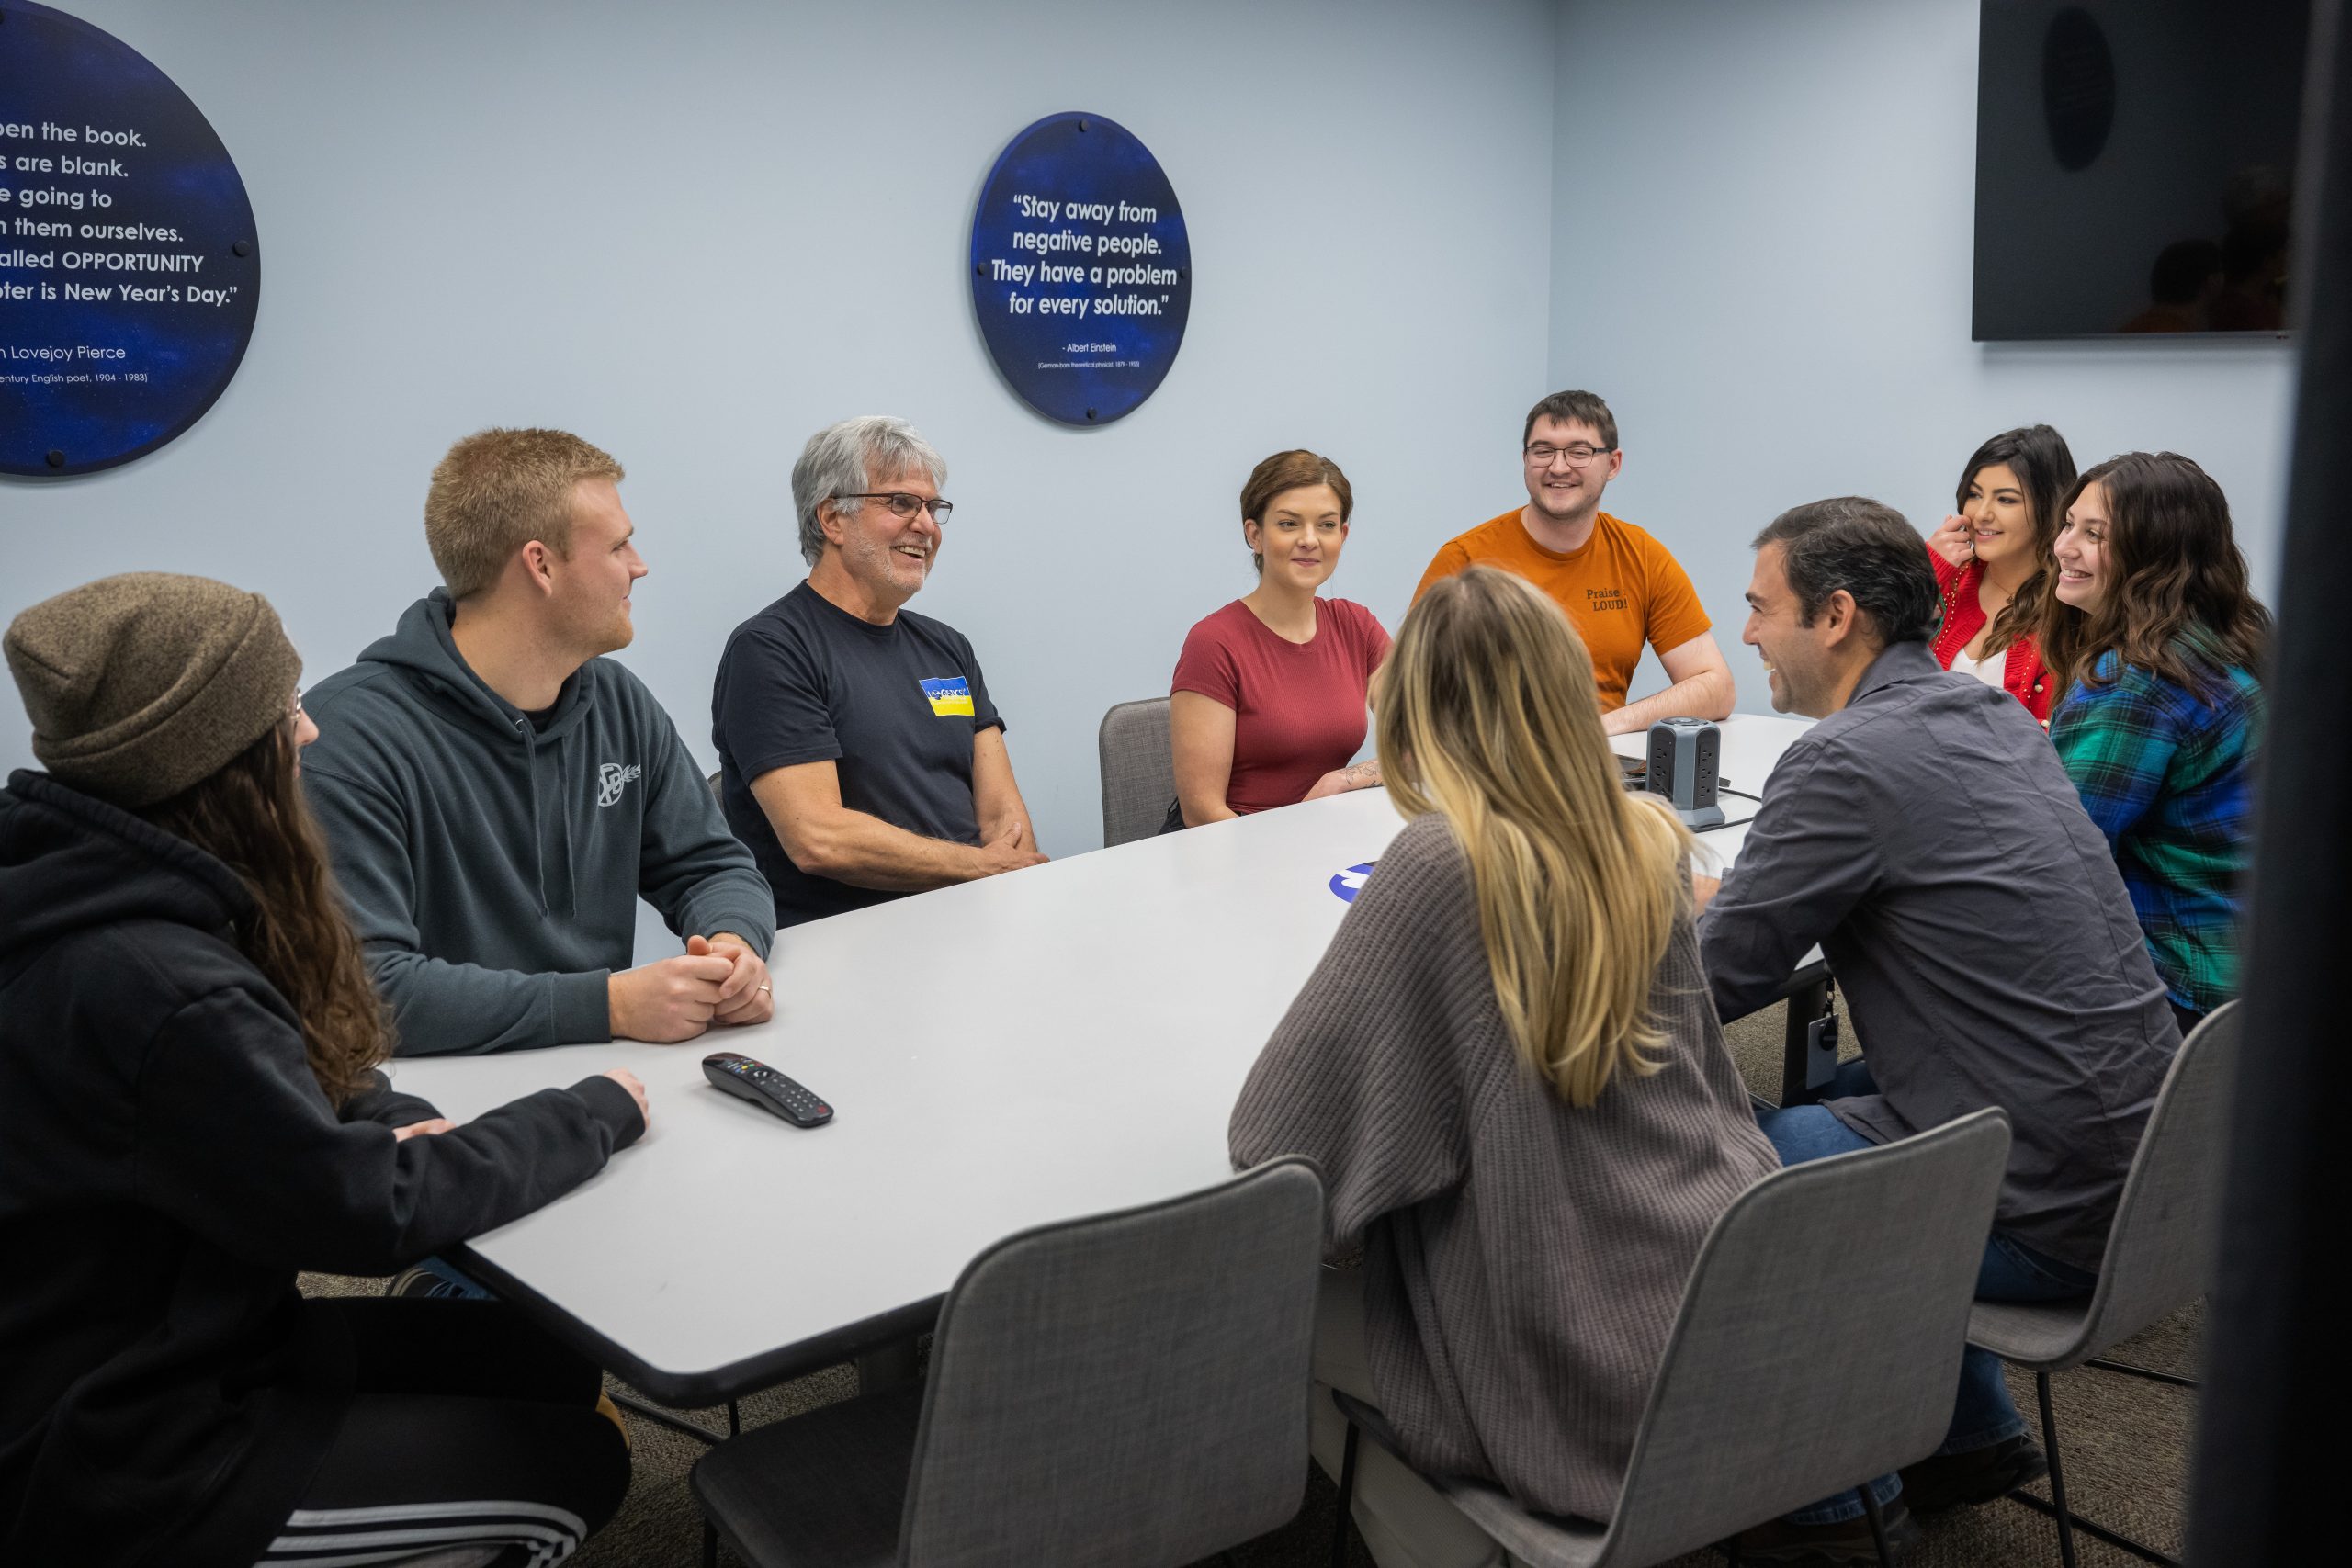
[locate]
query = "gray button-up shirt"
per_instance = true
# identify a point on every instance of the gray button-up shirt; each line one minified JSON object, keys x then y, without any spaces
{"x":1927,"y":837}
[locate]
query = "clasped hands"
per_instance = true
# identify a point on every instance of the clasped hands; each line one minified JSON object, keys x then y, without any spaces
{"x":719,"y":979}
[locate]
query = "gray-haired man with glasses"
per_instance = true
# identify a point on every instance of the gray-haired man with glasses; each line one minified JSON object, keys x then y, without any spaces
{"x":859,"y":755}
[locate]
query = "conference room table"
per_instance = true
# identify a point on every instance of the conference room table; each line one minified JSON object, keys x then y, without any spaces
{"x":999,"y":1055}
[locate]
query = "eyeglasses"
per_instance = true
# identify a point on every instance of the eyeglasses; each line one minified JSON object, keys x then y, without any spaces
{"x":1578,"y":453}
{"x":903,"y":505}
{"x":295,"y":712}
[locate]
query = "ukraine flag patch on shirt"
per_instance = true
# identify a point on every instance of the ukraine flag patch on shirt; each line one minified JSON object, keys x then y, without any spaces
{"x":949,"y":696}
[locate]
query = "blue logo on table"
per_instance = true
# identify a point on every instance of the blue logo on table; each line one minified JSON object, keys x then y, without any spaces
{"x":1349,"y":883}
{"x":129,"y":265}
{"x":1081,"y":270}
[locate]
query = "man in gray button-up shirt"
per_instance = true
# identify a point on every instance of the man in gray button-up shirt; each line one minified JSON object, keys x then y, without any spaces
{"x":1924,"y":834}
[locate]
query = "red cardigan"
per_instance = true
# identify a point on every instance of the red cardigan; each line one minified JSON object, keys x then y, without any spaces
{"x":2024,"y":677}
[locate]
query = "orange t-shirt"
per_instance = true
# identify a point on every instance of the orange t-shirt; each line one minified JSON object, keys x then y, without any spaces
{"x":1620,"y":589}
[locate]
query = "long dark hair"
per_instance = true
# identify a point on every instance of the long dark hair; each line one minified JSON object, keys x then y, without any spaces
{"x":2176,"y":601}
{"x":250,"y":814}
{"x":2045,"y":470}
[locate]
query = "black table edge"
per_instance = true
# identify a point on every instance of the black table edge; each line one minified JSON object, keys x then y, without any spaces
{"x":714,"y":1386}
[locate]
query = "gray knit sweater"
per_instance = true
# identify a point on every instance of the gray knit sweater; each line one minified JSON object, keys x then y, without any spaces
{"x":1523,"y":1260}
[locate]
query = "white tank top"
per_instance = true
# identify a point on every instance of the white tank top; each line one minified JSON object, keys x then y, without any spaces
{"x":1990,"y":670}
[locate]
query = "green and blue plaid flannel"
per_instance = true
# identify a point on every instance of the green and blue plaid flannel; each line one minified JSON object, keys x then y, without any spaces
{"x":2166,"y":773}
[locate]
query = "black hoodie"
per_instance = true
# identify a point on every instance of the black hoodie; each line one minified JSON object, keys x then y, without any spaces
{"x":167,"y":1164}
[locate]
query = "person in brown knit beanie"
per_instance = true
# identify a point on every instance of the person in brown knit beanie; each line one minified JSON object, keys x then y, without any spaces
{"x":139,"y":685}
{"x":189,"y":1044}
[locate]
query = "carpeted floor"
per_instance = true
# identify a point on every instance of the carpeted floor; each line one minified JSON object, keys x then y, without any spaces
{"x":2126,"y":1448}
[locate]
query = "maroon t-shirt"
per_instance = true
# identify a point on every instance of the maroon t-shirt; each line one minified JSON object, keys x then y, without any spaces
{"x":1298,"y":709}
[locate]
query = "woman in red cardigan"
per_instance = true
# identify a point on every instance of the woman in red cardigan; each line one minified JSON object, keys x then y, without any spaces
{"x":1992,"y":561}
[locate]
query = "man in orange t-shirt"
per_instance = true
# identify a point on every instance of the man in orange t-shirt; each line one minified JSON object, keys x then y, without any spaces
{"x":1619,"y":586}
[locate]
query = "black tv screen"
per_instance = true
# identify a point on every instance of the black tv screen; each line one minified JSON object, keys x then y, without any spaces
{"x":2135,"y":166}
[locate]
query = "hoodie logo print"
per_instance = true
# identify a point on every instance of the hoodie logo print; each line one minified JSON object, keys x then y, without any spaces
{"x":612,"y":778}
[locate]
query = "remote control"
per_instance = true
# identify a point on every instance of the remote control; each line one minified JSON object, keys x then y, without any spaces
{"x":766,"y":1088}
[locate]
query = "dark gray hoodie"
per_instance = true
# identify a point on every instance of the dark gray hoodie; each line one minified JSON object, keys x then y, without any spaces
{"x":492,"y":867}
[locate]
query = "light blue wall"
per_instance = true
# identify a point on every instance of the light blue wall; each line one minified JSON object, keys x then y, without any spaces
{"x":1763,"y":245}
{"x":695,"y":232}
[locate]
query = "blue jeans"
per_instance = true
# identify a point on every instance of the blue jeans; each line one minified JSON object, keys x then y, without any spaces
{"x":2011,"y":1271}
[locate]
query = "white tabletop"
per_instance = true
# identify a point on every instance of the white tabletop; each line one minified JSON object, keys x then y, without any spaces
{"x":999,"y":1055}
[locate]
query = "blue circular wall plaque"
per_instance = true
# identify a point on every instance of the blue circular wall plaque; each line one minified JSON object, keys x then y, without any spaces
{"x":130,"y":271}
{"x":1082,"y":272}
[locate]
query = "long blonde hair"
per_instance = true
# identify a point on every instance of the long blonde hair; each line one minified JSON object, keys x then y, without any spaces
{"x":1486,"y":713}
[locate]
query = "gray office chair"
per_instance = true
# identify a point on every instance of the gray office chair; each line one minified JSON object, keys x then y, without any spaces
{"x":2157,"y":1254}
{"x":1127,"y":1388}
{"x":1817,"y":1347}
{"x":1138,"y":775}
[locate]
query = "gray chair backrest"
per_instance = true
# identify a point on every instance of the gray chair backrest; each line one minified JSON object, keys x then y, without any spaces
{"x":2162,"y":1242}
{"x":1129,"y":1388}
{"x":1818,"y":1345}
{"x":1138,"y":774}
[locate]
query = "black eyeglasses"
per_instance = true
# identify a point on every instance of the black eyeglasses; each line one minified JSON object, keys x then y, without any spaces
{"x":1578,"y":453}
{"x":901,"y":504}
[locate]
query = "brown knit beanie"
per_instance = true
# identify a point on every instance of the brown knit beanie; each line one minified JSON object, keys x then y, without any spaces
{"x":141,"y":685}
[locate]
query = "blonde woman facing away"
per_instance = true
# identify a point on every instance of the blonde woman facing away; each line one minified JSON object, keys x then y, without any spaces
{"x":1508,"y":1071}
{"x":1267,"y":704}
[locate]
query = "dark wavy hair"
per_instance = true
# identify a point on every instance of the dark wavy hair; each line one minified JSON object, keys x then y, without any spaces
{"x":250,"y":814}
{"x":2045,"y":470}
{"x":2176,"y":601}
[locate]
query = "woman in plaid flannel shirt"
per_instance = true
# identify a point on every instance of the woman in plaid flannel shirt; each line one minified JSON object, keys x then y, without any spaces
{"x":2156,"y":638}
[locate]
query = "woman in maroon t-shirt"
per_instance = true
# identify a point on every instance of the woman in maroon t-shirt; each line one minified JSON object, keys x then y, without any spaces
{"x":1268,"y":701}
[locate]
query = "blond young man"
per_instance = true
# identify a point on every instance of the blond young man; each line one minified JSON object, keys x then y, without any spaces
{"x":496,"y":796}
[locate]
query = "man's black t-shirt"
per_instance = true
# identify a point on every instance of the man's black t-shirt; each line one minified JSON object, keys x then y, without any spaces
{"x":894,"y":708}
